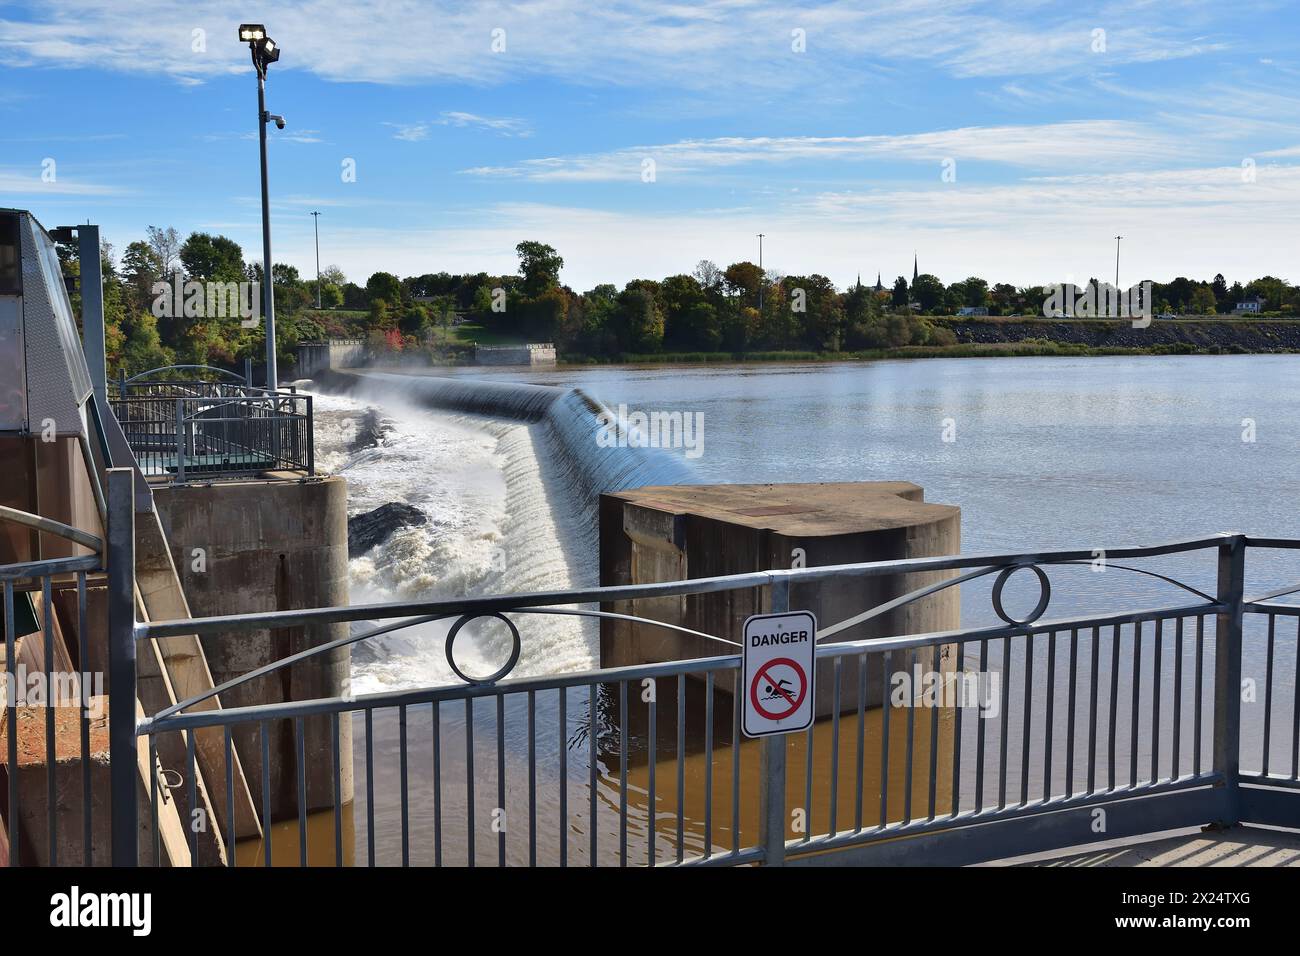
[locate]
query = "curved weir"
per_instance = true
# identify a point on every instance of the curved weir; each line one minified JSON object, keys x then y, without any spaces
{"x":590,"y":456}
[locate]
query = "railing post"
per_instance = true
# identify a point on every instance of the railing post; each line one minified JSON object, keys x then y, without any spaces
{"x":180,"y":441}
{"x":771,"y":764}
{"x":1227,"y":674}
{"x":308,"y":430}
{"x":123,"y":764}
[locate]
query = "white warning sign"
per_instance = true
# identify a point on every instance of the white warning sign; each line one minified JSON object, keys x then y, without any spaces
{"x":778,"y":673}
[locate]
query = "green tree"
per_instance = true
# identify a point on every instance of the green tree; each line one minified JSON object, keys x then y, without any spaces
{"x":901,"y":294}
{"x":1203,"y":301}
{"x":215,"y":258}
{"x":928,"y":292}
{"x":386,"y":286}
{"x":141,"y":268}
{"x":641,"y":318}
{"x":977,"y":292}
{"x":742,"y":279}
{"x":540,"y":266}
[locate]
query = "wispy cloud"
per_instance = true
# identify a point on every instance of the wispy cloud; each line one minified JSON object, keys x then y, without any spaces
{"x":689,"y":46}
{"x":1045,"y":230}
{"x":410,"y":132}
{"x":502,"y":125}
{"x":28,"y":185}
{"x":1085,"y":142}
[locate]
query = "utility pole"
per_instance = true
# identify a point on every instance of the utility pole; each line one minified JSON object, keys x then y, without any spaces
{"x":265,"y":52}
{"x":1117,"y":239}
{"x":268,"y":287}
{"x":760,"y":273}
{"x":315,"y":216}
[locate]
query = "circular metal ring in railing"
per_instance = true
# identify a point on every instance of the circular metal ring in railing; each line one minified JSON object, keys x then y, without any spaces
{"x":165,"y":775}
{"x":505,"y":668}
{"x":1045,"y":594}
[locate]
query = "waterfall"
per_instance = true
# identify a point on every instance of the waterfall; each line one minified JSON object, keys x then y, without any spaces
{"x":572,"y":419}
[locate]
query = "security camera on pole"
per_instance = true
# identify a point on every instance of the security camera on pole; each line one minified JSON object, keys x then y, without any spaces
{"x":265,"y":52}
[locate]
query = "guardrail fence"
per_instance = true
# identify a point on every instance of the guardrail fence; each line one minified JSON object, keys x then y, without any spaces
{"x":222,"y":431}
{"x":53,"y":745}
{"x":1043,"y":734}
{"x":1033,"y":734}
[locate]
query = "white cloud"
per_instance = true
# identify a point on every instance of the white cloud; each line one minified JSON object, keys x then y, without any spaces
{"x":1071,"y":144}
{"x":502,"y":125}
{"x":410,"y":132}
{"x":1186,"y":222}
{"x":29,"y":185}
{"x":704,"y":46}
{"x":505,"y":125}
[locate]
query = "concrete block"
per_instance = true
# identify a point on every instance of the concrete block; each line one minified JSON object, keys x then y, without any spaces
{"x":667,"y":533}
{"x":268,"y":546}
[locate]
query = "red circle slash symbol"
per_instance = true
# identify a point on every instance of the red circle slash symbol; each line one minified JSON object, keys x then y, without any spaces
{"x":777,"y":688}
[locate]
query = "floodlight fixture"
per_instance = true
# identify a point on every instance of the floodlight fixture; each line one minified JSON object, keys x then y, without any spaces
{"x":249,"y":32}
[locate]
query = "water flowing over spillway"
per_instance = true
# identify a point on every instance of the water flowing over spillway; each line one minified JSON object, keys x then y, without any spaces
{"x":572,"y":420}
{"x":509,"y":476}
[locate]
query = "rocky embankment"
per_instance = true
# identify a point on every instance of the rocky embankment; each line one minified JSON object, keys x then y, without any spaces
{"x":1162,"y":334}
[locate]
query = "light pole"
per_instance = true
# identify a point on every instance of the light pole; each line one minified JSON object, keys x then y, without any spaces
{"x":315,"y":218}
{"x":1117,"y":239}
{"x":760,"y":273}
{"x":265,"y":52}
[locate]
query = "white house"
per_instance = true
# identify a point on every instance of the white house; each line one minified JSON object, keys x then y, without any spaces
{"x":1255,"y":304}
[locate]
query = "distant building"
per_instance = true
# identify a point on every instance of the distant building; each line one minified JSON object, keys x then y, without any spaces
{"x":1250,"y":306}
{"x":973,"y":310}
{"x":532,"y":354}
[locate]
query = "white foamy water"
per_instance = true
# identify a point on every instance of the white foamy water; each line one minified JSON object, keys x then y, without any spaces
{"x":492,"y":528}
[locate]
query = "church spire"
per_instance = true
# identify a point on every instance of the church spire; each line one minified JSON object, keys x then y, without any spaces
{"x":914,"y":270}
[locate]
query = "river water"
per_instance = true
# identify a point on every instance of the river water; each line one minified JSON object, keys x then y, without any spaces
{"x":1039,"y":453}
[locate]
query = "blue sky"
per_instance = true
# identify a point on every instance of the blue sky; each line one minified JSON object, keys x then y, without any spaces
{"x":1010,"y":139}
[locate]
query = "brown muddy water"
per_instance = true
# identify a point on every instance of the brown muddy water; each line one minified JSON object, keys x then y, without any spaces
{"x":734,"y":815}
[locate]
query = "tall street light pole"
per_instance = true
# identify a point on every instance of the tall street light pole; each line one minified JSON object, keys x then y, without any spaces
{"x":265,"y":52}
{"x":315,"y":216}
{"x":1117,"y":239}
{"x":760,"y":273}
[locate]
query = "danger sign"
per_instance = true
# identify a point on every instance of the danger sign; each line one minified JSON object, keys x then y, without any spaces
{"x":778,"y":672}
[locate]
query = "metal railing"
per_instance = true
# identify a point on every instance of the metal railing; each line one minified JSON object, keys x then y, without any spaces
{"x":195,"y":431}
{"x":33,"y":701}
{"x":1136,"y":716}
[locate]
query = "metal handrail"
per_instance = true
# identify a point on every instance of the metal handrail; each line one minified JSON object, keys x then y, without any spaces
{"x":168,"y":368}
{"x":50,"y":526}
{"x":632,"y":592}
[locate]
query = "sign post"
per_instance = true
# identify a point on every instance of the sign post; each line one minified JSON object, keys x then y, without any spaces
{"x":778,"y":673}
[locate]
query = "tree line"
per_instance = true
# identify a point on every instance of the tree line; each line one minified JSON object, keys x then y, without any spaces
{"x":737,"y":309}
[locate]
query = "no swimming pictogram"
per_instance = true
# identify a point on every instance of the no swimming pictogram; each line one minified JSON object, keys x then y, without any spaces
{"x":778,"y":673}
{"x":778,"y":688}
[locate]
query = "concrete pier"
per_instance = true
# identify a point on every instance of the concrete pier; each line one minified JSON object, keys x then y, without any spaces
{"x":658,"y":534}
{"x":267,"y":545}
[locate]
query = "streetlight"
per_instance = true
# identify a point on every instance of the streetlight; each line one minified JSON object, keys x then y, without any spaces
{"x":265,"y":52}
{"x":315,"y":218}
{"x":1117,"y":239}
{"x":760,"y":272}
